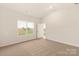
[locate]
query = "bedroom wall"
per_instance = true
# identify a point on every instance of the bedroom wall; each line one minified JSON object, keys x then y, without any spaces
{"x":63,"y":25}
{"x":8,"y":26}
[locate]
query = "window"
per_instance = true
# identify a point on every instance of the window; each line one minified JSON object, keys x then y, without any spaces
{"x":25,"y":28}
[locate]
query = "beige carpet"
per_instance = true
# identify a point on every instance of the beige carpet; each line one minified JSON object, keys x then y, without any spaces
{"x":39,"y":47}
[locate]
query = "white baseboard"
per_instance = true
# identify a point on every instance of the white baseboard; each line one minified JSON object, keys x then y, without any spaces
{"x":63,"y":42}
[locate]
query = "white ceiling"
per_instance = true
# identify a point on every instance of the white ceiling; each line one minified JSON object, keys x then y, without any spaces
{"x":37,"y":10}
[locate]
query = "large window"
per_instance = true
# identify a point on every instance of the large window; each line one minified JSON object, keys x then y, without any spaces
{"x":24,"y":28}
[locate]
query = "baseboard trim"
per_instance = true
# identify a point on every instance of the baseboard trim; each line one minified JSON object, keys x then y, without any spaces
{"x":63,"y":43}
{"x":18,"y":43}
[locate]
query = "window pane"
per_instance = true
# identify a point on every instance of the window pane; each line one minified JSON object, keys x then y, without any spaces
{"x":21,"y":24}
{"x":25,"y":28}
{"x":30,"y":25}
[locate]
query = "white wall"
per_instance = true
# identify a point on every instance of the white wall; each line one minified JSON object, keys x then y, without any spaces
{"x":8,"y":26}
{"x":63,"y":26}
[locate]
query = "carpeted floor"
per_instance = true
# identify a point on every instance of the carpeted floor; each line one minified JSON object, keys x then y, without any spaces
{"x":39,"y":47}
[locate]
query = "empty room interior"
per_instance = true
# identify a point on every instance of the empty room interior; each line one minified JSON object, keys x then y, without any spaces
{"x":39,"y":29}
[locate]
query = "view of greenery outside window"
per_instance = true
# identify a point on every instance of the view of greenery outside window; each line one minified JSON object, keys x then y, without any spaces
{"x":25,"y":28}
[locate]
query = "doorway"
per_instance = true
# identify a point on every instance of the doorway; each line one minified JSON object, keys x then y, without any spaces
{"x":41,"y":31}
